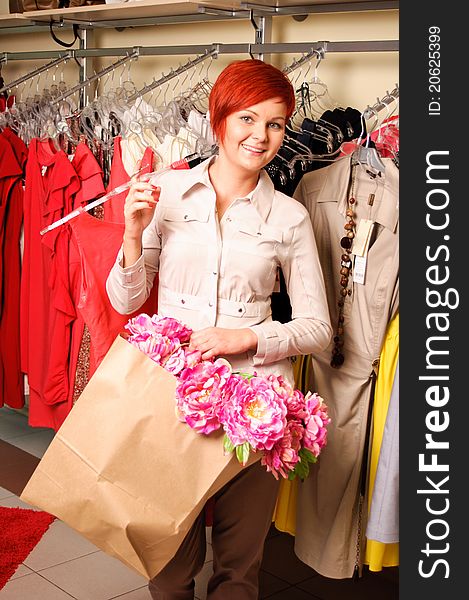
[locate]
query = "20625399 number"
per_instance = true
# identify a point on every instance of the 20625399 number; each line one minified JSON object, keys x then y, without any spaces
{"x":434,"y":69}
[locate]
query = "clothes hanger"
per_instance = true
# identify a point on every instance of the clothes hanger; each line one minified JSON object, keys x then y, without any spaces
{"x":366,"y":155}
{"x":387,"y":140}
{"x":96,"y":76}
{"x":392,"y":98}
{"x":158,"y":83}
{"x":308,"y":109}
{"x":320,"y":89}
{"x":203,"y":87}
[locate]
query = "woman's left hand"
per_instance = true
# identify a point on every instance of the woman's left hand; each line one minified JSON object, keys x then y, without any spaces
{"x":217,"y":341}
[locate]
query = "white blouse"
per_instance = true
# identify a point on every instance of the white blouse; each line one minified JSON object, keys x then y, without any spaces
{"x":222,"y":273}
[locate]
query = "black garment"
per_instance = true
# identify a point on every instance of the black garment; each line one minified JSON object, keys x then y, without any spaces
{"x":290,"y":164}
{"x":348,"y":120}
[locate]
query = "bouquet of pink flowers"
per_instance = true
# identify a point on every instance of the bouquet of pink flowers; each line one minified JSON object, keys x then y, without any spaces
{"x":262,"y":413}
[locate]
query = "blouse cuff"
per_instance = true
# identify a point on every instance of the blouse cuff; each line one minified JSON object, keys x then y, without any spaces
{"x":133,"y":275}
{"x":268,"y":344}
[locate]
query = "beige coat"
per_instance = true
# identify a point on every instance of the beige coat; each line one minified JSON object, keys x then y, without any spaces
{"x":327,"y":513}
{"x":222,"y":273}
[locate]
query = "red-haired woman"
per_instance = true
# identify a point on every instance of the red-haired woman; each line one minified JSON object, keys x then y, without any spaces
{"x":217,"y":234}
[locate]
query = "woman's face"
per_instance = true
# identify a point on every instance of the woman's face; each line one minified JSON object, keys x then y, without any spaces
{"x":254,"y":135}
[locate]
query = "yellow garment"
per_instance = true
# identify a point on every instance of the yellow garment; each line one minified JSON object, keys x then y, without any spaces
{"x":285,"y":510}
{"x":378,"y":554}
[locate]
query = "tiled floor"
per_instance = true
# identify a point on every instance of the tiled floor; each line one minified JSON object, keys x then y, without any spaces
{"x":66,"y":566}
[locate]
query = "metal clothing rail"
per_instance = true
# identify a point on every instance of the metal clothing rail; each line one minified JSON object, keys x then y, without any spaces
{"x":382,"y":103}
{"x":63,"y":57}
{"x":97,"y":75}
{"x":273,"y":48}
{"x":297,"y":63}
{"x":182,"y":69}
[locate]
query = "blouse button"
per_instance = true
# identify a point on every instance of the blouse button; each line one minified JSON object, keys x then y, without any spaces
{"x":240,"y":310}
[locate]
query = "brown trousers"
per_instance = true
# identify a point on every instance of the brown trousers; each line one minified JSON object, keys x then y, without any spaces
{"x":241,"y":520}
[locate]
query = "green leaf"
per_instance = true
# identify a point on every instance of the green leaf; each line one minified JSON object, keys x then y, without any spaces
{"x":307,"y":455}
{"x":302,"y":469}
{"x":242,"y":453}
{"x":228,"y":445}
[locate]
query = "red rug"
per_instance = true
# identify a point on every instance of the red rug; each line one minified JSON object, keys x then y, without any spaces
{"x":20,"y":530}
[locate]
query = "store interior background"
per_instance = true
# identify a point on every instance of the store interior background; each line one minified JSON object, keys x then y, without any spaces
{"x":353,"y":78}
{"x":64,"y":566}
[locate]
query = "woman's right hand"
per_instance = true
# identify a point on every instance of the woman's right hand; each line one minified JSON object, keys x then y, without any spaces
{"x":139,"y":207}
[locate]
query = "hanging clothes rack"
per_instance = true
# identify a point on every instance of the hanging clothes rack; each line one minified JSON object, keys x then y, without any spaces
{"x":309,"y":49}
{"x":36,"y":71}
{"x":88,"y":80}
{"x":271,"y":48}
{"x":297,"y":63}
{"x":381,"y":103}
{"x":165,"y":78}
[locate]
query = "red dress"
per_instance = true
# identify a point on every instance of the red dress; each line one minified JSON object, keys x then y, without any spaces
{"x":91,"y":186}
{"x":47,"y":307}
{"x":13,"y":155}
{"x":99,"y":242}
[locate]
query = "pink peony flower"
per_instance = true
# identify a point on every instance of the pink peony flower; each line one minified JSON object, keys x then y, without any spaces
{"x":156,"y":346}
{"x":315,"y":437}
{"x":140,"y":324}
{"x":171,"y":328}
{"x":296,"y":405}
{"x":293,"y":399}
{"x":284,"y":455}
{"x":175,"y":362}
{"x":192,"y":357}
{"x":160,"y":338}
{"x":252,"y":412}
{"x":165,"y":326}
{"x":281,"y":386}
{"x":198,"y":394}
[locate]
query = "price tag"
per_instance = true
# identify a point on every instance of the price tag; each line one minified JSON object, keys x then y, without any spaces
{"x":359,"y":269}
{"x":362,"y":237}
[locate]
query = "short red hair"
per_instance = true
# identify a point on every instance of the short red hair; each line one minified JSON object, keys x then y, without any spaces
{"x":244,"y":83}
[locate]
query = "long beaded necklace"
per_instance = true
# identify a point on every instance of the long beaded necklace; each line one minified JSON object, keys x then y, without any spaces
{"x":346,"y":243}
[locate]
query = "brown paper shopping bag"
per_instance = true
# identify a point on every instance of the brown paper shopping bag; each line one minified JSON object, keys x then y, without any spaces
{"x":123,"y":471}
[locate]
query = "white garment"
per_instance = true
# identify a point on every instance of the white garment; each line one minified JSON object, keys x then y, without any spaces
{"x":176,"y":147}
{"x":201,"y":126}
{"x":383,"y":522}
{"x":133,"y":148}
